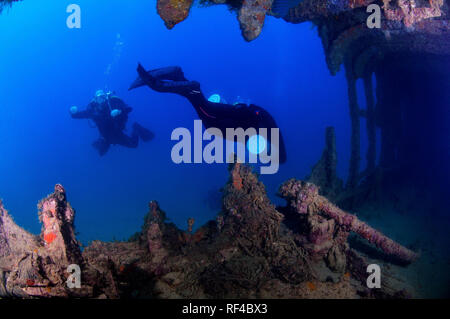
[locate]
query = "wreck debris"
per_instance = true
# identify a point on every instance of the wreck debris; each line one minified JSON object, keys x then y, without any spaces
{"x":305,"y":198}
{"x":16,"y":244}
{"x":370,"y":122}
{"x":367,"y":53}
{"x":408,"y":12}
{"x":251,"y":17}
{"x":324,"y":174}
{"x":173,"y":11}
{"x":190,"y":222}
{"x":355,"y":141}
{"x":245,"y":201}
{"x":57,"y":218}
{"x":32,"y":267}
{"x":23,"y":240}
{"x":250,"y":251}
{"x":339,"y":15}
{"x":345,"y":35}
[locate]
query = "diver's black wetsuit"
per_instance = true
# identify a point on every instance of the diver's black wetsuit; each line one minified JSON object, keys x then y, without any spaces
{"x":111,"y":128}
{"x":218,"y":115}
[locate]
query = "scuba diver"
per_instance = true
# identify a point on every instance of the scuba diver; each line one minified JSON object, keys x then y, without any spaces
{"x":218,"y":115}
{"x":110,"y":115}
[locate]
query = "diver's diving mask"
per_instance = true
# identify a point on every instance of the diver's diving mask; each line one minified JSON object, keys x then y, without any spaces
{"x":100,"y":97}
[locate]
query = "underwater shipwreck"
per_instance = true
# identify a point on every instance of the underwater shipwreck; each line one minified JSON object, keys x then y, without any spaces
{"x":314,"y":246}
{"x":251,"y":250}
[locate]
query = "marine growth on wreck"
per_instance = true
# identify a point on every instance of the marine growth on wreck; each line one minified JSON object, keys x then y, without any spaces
{"x":315,"y":235}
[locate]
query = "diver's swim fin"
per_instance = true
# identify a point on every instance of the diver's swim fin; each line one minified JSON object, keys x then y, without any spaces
{"x":136,"y":84}
{"x":143,"y":133}
{"x":143,"y":79}
{"x":170,"y":73}
{"x":145,"y":76}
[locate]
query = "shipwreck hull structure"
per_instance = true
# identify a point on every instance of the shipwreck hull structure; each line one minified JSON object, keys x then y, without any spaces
{"x":404,"y":66}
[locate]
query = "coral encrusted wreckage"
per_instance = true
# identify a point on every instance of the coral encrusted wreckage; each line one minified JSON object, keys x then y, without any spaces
{"x":173,"y":11}
{"x":251,"y":250}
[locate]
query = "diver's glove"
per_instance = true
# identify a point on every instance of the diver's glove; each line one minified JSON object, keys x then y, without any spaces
{"x":74,"y":110}
{"x":115,"y":113}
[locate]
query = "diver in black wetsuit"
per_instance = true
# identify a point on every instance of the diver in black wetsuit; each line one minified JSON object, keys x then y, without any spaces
{"x":218,"y":115}
{"x":110,"y":115}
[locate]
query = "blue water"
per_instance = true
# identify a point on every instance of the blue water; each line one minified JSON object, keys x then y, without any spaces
{"x":46,"y":68}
